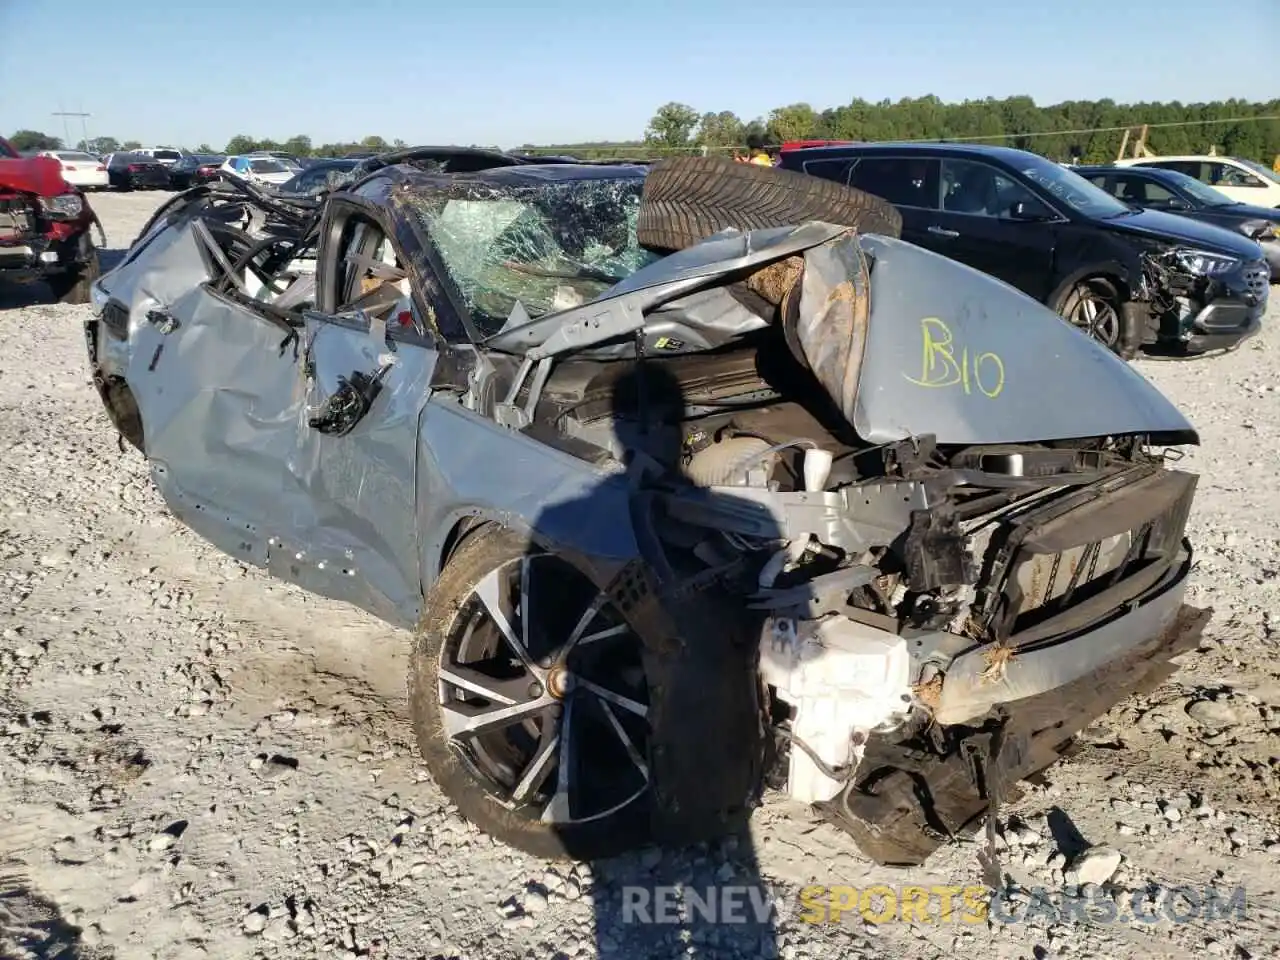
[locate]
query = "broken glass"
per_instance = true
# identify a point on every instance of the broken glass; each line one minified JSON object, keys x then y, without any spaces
{"x":549,"y":246}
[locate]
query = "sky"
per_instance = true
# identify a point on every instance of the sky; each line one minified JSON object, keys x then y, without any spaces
{"x":183,"y":72}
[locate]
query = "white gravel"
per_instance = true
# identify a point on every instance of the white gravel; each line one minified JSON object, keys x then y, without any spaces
{"x":198,"y":761}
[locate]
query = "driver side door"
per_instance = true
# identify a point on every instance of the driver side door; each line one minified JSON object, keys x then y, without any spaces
{"x":368,"y":366}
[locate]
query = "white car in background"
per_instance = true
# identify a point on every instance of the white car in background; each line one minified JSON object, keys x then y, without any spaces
{"x":165,"y":156}
{"x":1245,"y":181}
{"x":263,"y":171}
{"x":288,"y":159}
{"x":80,"y":169}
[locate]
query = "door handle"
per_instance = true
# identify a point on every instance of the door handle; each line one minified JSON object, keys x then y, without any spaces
{"x":943,"y":232}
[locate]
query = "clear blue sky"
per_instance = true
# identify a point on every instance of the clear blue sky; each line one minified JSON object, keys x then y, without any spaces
{"x":479,"y":71}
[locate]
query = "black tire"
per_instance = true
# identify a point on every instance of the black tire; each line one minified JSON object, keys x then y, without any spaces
{"x":73,"y":286}
{"x":464,"y":769}
{"x":687,"y":199}
{"x":1119,"y":331}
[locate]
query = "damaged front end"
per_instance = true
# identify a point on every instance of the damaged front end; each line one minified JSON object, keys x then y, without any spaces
{"x":1204,"y":300}
{"x":990,"y":559}
{"x":44,"y":224}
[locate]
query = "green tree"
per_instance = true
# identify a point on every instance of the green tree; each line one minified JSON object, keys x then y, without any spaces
{"x":722,"y":129}
{"x":374,"y":143}
{"x":798,"y":121}
{"x":28,"y":140}
{"x":205,"y":148}
{"x":99,"y":145}
{"x":672,"y":126}
{"x":241,"y":143}
{"x":131,"y":145}
{"x":299,"y":145}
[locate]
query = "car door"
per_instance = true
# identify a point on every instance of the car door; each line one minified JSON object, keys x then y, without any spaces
{"x":218,"y":392}
{"x":910,"y":183}
{"x":369,"y":362}
{"x":981,"y":223}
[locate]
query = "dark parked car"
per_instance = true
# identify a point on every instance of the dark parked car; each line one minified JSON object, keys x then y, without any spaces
{"x":1155,"y":188}
{"x":1126,"y":276}
{"x":135,"y":171}
{"x":318,"y":176}
{"x":194,"y":168}
{"x":672,"y":514}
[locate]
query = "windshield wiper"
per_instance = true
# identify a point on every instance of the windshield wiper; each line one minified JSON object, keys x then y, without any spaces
{"x":586,"y":273}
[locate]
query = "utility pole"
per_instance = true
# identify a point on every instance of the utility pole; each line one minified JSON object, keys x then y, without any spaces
{"x":66,"y":132}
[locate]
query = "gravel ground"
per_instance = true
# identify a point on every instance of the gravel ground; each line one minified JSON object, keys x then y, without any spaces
{"x":198,"y":761}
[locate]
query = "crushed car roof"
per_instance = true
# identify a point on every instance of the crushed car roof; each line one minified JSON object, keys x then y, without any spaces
{"x":521,"y":175}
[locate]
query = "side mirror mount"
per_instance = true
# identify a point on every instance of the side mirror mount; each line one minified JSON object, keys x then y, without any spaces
{"x":1030,"y":211}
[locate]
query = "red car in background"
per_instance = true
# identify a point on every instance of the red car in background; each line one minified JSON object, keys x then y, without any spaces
{"x":45,"y":227}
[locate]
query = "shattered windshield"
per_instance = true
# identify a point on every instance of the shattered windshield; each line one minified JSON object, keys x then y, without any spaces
{"x":549,"y":246}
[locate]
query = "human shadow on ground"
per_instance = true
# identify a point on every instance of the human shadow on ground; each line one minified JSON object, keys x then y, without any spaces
{"x":661,"y":735}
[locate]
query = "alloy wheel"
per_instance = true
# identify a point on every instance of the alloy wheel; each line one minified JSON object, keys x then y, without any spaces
{"x":543,"y":694}
{"x":1094,"y":314}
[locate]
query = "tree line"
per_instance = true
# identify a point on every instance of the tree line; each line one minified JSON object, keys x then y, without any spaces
{"x":300,"y":146}
{"x":1088,"y":130}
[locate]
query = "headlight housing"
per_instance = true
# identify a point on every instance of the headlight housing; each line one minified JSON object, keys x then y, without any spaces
{"x":1205,"y":263}
{"x":66,"y":206}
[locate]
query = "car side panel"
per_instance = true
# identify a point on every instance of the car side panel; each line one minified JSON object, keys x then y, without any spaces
{"x":220,"y":403}
{"x":362,"y":544}
{"x":470,"y":467}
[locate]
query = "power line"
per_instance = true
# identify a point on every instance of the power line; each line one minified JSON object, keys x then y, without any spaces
{"x":66,"y":132}
{"x":693,"y":148}
{"x":1128,"y":126}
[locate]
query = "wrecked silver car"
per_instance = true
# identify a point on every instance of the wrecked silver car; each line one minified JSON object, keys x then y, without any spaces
{"x":679,"y":503}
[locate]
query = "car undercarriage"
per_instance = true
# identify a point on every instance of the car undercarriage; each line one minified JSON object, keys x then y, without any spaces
{"x":815,"y":513}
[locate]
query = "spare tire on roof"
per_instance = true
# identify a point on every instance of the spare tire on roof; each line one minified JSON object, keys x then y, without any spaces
{"x":687,"y":199}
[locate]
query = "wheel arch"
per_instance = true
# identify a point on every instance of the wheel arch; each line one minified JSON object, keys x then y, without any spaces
{"x":122,"y":408}
{"x":1112,"y":271}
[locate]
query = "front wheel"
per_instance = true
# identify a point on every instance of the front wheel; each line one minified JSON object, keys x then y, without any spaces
{"x":530,"y":702}
{"x":1093,"y":306}
{"x":74,"y":285}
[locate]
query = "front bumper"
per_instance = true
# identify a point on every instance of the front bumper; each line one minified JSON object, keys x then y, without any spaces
{"x":146,"y":181}
{"x":40,"y":257}
{"x":903,"y":805}
{"x":1229,"y":312}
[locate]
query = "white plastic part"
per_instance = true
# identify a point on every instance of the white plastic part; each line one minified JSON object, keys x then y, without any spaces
{"x":817,"y":468}
{"x":843,"y":678}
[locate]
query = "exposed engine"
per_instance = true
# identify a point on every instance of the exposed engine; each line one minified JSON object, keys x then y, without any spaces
{"x":873,"y":568}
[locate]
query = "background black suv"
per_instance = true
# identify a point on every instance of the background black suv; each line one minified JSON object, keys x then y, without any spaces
{"x":1126,"y":276}
{"x":1155,"y":188}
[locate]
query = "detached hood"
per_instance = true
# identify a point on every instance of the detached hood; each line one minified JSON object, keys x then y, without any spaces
{"x":39,"y":175}
{"x":907,"y":342}
{"x":1171,"y":227}
{"x":924,"y":345}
